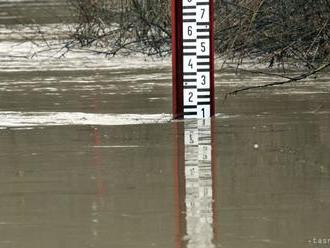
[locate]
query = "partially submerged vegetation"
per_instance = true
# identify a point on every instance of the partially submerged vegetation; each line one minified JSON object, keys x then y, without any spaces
{"x":127,"y":26}
{"x":277,"y":33}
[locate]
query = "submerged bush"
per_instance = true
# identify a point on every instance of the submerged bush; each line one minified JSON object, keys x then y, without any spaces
{"x":128,"y":26}
{"x":273,"y":31}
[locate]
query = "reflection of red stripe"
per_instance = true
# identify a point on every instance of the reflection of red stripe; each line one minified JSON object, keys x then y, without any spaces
{"x":214,"y":176}
{"x":176,"y":175}
{"x":97,"y":163}
{"x":100,"y":185}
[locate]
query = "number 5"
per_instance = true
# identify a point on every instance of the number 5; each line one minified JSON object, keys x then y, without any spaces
{"x":203,"y":48}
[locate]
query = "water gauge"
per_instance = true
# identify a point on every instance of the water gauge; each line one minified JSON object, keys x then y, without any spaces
{"x":193,"y":58}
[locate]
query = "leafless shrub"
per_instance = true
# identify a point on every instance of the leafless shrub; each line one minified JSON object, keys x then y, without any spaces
{"x":129,"y":26}
{"x":276,"y":32}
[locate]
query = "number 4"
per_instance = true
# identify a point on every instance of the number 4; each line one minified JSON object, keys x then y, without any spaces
{"x":190,"y":64}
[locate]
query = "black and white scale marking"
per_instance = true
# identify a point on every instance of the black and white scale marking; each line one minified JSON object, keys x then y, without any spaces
{"x":196,"y":58}
{"x":198,"y":180}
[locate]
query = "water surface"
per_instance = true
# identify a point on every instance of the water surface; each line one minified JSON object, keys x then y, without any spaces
{"x":89,"y":156}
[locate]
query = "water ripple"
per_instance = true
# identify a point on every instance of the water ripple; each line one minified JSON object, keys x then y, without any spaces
{"x":40,"y":119}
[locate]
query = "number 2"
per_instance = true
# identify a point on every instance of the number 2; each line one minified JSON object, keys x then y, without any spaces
{"x":190,"y":97}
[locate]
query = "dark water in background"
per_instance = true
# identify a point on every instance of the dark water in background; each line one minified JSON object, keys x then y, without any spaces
{"x":89,"y":158}
{"x":34,"y":11}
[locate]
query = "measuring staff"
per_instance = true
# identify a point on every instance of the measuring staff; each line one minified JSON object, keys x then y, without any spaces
{"x":193,"y":58}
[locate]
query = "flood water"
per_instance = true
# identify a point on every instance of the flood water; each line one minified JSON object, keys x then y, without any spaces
{"x":89,"y":155}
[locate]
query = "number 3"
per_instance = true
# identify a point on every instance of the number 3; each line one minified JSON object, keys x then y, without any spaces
{"x":203,"y":79}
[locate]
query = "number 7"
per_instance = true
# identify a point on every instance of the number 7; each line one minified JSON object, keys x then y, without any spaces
{"x":203,"y":12}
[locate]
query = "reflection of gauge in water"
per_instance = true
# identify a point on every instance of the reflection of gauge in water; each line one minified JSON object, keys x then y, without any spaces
{"x":199,"y":183}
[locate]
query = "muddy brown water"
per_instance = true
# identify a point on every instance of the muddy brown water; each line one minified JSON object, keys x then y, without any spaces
{"x":78,"y":167}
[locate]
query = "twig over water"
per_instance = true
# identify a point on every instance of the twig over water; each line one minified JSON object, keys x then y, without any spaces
{"x":290,"y":80}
